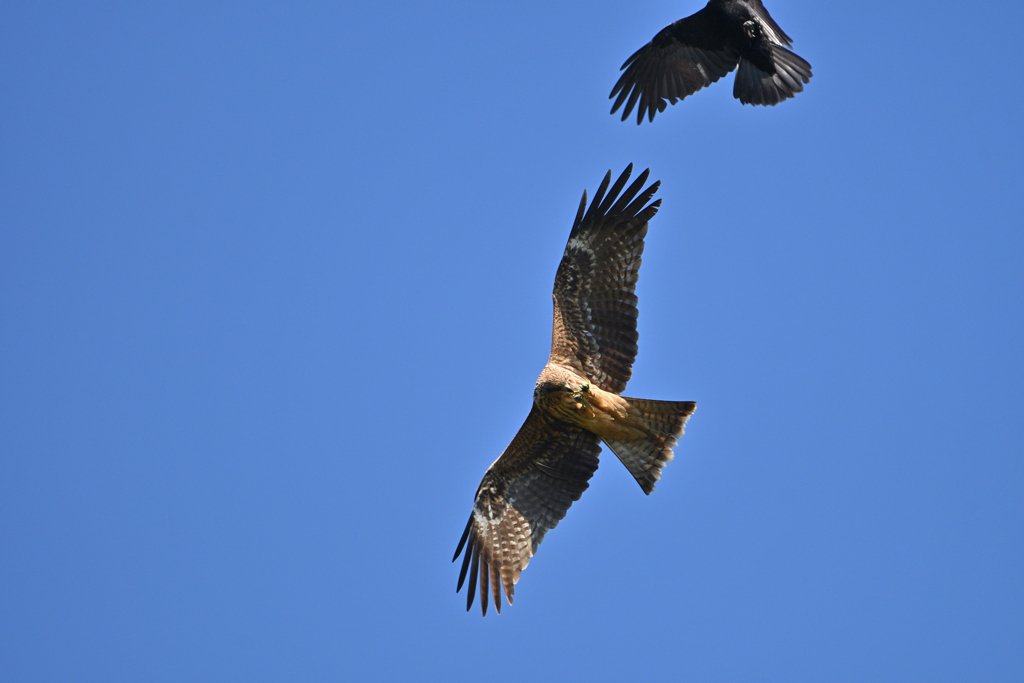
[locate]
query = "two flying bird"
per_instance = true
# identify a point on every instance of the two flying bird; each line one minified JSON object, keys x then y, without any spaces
{"x":577,"y":400}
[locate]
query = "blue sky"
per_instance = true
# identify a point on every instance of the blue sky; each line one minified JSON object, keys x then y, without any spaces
{"x":275,"y":288}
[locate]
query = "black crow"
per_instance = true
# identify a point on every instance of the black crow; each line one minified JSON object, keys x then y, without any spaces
{"x":696,"y":51}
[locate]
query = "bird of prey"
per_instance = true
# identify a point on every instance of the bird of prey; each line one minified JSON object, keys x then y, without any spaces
{"x":576,"y":401}
{"x":696,"y":51}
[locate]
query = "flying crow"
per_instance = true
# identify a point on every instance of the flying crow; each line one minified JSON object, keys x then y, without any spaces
{"x":696,"y":51}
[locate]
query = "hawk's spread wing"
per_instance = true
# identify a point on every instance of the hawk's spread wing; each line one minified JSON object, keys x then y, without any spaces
{"x":523,"y":495}
{"x":594,"y":329}
{"x":684,"y":57}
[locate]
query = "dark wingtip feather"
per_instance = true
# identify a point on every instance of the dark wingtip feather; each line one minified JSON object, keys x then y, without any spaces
{"x":465,"y":568}
{"x":473,"y":569}
{"x":630,"y":193}
{"x":633,"y":97}
{"x":616,"y":188}
{"x":598,"y":196}
{"x":633,"y":56}
{"x":649,"y":212}
{"x":462,"y":541}
{"x":623,"y":92}
{"x":579,"y":215}
{"x":638,"y":204}
{"x":619,"y":84}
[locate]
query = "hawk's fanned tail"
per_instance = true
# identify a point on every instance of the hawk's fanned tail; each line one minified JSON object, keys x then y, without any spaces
{"x":645,"y":457}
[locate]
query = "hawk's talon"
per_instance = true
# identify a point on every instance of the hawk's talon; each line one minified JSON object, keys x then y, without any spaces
{"x":580,"y":399}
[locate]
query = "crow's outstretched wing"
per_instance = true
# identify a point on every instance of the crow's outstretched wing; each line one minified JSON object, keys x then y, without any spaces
{"x":684,"y":57}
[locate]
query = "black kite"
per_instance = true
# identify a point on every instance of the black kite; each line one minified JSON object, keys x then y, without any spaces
{"x":576,"y":401}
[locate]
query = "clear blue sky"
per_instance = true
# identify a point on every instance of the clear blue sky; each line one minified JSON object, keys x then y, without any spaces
{"x":275,"y":287}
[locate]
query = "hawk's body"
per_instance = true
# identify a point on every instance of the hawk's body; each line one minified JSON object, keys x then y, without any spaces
{"x":699,"y":49}
{"x":606,"y":414}
{"x":576,"y":401}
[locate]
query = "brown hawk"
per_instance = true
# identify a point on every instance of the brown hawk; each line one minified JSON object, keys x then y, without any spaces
{"x":576,"y":401}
